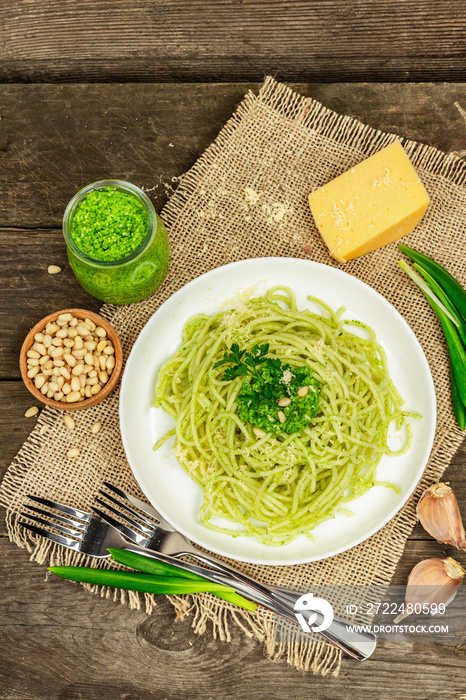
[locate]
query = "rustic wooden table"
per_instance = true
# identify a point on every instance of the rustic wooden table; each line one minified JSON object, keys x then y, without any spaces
{"x":57,"y":641}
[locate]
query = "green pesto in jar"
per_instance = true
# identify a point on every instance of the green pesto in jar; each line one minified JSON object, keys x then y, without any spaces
{"x":117,"y":245}
{"x":109,"y":224}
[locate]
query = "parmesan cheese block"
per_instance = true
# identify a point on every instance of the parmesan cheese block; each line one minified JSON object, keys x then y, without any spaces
{"x":373,"y":204}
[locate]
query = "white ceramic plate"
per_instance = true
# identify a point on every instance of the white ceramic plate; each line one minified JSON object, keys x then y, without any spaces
{"x":173,"y":492}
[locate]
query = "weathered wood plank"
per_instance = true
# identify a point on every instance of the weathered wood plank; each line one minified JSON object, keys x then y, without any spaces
{"x":59,"y":642}
{"x":56,"y":139}
{"x":29,"y":293}
{"x":208,"y":40}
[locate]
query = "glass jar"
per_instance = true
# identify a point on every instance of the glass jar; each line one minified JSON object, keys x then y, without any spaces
{"x":135,"y":276}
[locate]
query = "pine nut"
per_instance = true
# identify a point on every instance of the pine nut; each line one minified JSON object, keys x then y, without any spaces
{"x":281,"y":416}
{"x":78,"y":342}
{"x":74,"y":452}
{"x":101,"y":345}
{"x":52,"y":328}
{"x":90,"y":345}
{"x":93,"y":373}
{"x":64,"y":372}
{"x":58,"y":352}
{"x":96,"y":427}
{"x":32,"y":362}
{"x":303,"y":391}
{"x":33,"y":353}
{"x":82,"y":379}
{"x":92,"y":380}
{"x":110,"y":362}
{"x":40,"y":347}
{"x":62,"y":333}
{"x":65,"y":317}
{"x":68,"y":342}
{"x":48,"y":364}
{"x":72,"y":333}
{"x":288,"y":351}
{"x":39,"y":381}
{"x":44,"y":388}
{"x":75,"y":384}
{"x":58,"y":396}
{"x":102,"y":362}
{"x":43,"y":360}
{"x":95,"y":389}
{"x":90,"y":323}
{"x":79,"y":354}
{"x":43,"y":429}
{"x":50,"y":393}
{"x":89,"y":359}
{"x":58,"y":342}
{"x":77,"y":370}
{"x":259,"y":433}
{"x":33,"y":411}
{"x":109,"y":350}
{"x":47,"y":372}
{"x":66,"y":389}
{"x":69,"y":359}
{"x":82,"y":330}
{"x":284,"y":402}
{"x":39,"y":337}
{"x":33,"y":371}
{"x":103,"y":376}
{"x":74,"y":322}
{"x":47,"y":340}
{"x":60,"y":381}
{"x":87,"y":391}
{"x":101,"y":332}
{"x":69,"y":422}
{"x":53,"y":269}
{"x":73,"y":396}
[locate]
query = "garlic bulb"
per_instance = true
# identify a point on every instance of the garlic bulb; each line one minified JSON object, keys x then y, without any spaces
{"x":431,"y":582}
{"x":439,"y":514}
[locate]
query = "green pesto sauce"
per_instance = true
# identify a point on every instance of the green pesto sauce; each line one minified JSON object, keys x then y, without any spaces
{"x":109,"y":224}
{"x":257,"y":400}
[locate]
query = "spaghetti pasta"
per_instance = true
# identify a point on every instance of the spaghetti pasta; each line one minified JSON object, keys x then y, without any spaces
{"x":281,"y":485}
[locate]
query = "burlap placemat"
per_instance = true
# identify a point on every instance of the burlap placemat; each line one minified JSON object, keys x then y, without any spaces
{"x":246,"y":197}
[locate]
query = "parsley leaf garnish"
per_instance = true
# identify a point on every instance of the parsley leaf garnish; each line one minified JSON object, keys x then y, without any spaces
{"x":245,"y":363}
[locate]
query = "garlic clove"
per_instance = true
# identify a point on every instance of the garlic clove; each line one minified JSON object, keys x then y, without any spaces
{"x":440,"y":515}
{"x":432,"y":581}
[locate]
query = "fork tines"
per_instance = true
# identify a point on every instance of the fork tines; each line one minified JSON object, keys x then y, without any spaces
{"x":54,"y":521}
{"x":128,"y":520}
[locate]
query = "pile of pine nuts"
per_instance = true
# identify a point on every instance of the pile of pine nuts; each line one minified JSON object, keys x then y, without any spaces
{"x":71,"y":359}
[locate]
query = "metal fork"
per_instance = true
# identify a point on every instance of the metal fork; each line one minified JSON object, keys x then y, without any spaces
{"x":91,"y":535}
{"x":163,"y":538}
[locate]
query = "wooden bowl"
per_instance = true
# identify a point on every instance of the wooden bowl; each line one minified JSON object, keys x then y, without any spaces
{"x":106,"y":389}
